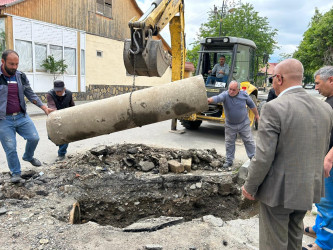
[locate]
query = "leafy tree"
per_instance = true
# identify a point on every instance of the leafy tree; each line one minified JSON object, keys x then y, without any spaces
{"x":243,"y":22}
{"x":54,"y":67}
{"x":316,"y":48}
{"x":284,"y":56}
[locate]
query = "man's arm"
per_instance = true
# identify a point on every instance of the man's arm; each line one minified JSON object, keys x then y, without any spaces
{"x":217,"y":98}
{"x":226,"y":71}
{"x":256,"y":113}
{"x":214,"y":69}
{"x":50,"y":102}
{"x":32,"y":97}
{"x":267,"y":140}
{"x":328,"y":162}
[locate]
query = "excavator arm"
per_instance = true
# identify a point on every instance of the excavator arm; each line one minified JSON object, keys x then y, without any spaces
{"x":145,"y":56}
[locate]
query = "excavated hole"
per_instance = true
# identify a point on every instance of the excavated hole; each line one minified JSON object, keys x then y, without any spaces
{"x":124,"y":213}
{"x":128,"y":193}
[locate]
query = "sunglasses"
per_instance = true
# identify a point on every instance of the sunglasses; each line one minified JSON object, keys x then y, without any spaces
{"x":270,"y":80}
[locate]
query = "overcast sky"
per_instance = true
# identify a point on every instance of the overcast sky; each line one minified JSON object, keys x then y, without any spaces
{"x":290,"y":17}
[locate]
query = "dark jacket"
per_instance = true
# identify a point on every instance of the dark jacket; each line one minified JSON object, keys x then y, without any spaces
{"x":24,"y":89}
{"x":60,"y":102}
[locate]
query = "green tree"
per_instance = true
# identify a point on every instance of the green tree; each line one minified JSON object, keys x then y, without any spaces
{"x":243,"y":22}
{"x":316,"y":48}
{"x":54,"y":67}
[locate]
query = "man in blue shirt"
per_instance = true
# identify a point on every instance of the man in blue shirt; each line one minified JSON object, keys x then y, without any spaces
{"x":221,"y":70}
{"x":236,"y":119}
{"x":14,"y":85}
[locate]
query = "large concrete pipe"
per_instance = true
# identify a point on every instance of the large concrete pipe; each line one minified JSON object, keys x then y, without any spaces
{"x":118,"y":113}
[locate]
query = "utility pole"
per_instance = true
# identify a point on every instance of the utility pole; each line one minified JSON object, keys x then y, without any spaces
{"x":222,"y":15}
{"x":224,"y":11}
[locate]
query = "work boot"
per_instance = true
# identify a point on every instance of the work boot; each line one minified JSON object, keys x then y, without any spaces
{"x":227,"y":164}
{"x":60,"y":158}
{"x":16,"y":178}
{"x":35,"y":162}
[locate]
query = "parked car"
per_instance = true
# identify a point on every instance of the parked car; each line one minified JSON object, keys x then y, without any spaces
{"x":309,"y":86}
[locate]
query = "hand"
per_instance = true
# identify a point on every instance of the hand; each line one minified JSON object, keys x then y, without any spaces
{"x":221,"y":72}
{"x":247,"y":195}
{"x":327,"y":168}
{"x":209,"y":71}
{"x":210,"y":100}
{"x":46,"y":109}
{"x":256,"y":117}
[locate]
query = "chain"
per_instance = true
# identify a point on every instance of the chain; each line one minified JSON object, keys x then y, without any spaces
{"x":133,"y":88}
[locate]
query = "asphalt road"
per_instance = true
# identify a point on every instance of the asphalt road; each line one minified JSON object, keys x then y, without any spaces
{"x":206,"y":137}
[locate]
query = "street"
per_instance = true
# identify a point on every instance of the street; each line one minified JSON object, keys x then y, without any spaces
{"x":208,"y":136}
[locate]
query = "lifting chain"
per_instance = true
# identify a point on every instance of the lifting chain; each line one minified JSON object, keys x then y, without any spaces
{"x":133,"y":87}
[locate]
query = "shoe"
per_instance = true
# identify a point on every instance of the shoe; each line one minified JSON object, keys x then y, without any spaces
{"x":16,"y":178}
{"x":60,"y":158}
{"x":309,"y":232}
{"x":35,"y":162}
{"x":227,"y":164}
{"x":312,"y":246}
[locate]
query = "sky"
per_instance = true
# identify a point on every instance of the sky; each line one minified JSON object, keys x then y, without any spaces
{"x":290,"y":17}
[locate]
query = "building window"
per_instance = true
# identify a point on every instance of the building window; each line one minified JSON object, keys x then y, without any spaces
{"x":40,"y":56}
{"x":24,"y":49}
{"x":2,"y":35}
{"x":104,"y":7}
{"x":83,"y":62}
{"x":70,"y":56}
{"x":56,"y":52}
{"x":99,"y":53}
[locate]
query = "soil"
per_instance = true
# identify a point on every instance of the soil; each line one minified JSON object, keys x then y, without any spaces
{"x":109,"y":188}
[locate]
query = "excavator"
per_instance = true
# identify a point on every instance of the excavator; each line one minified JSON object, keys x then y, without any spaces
{"x":144,"y":56}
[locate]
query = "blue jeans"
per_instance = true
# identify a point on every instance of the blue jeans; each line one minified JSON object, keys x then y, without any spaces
{"x":215,"y":79}
{"x":324,"y":221}
{"x":23,"y":125}
{"x":62,"y":149}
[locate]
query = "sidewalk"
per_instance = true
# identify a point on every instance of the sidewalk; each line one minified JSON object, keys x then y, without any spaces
{"x":33,"y":110}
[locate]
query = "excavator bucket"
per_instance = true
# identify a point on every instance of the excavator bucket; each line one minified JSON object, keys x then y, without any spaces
{"x":151,"y":61}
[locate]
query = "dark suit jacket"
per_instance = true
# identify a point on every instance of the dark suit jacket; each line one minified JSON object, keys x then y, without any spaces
{"x":292,"y":141}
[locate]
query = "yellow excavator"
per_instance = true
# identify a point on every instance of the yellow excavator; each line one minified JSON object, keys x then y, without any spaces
{"x":144,"y":56}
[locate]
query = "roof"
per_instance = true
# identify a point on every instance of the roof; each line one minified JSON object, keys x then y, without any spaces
{"x":8,"y":2}
{"x":271,"y":67}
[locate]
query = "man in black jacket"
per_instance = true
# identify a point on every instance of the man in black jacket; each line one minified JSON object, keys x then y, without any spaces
{"x":60,"y":98}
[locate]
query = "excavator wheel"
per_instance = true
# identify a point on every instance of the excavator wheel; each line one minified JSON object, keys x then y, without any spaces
{"x":191,"y":125}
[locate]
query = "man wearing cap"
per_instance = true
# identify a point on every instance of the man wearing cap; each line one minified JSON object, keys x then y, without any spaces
{"x":60,"y":98}
{"x":14,"y":85}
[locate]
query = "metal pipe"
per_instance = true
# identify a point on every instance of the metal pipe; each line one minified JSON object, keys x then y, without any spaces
{"x":114,"y":114}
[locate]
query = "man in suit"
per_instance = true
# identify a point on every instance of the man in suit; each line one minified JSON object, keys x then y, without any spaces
{"x":286,"y":173}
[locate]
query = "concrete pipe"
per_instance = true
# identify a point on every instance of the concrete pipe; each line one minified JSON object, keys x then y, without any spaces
{"x":118,"y":113}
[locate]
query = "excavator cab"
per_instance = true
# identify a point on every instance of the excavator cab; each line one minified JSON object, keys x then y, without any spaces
{"x":239,"y":55}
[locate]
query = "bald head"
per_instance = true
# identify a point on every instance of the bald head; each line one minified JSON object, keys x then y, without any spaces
{"x":233,"y":88}
{"x":286,"y":74}
{"x":291,"y":70}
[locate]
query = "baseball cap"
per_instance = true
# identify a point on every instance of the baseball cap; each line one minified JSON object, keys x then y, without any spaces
{"x":58,"y":85}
